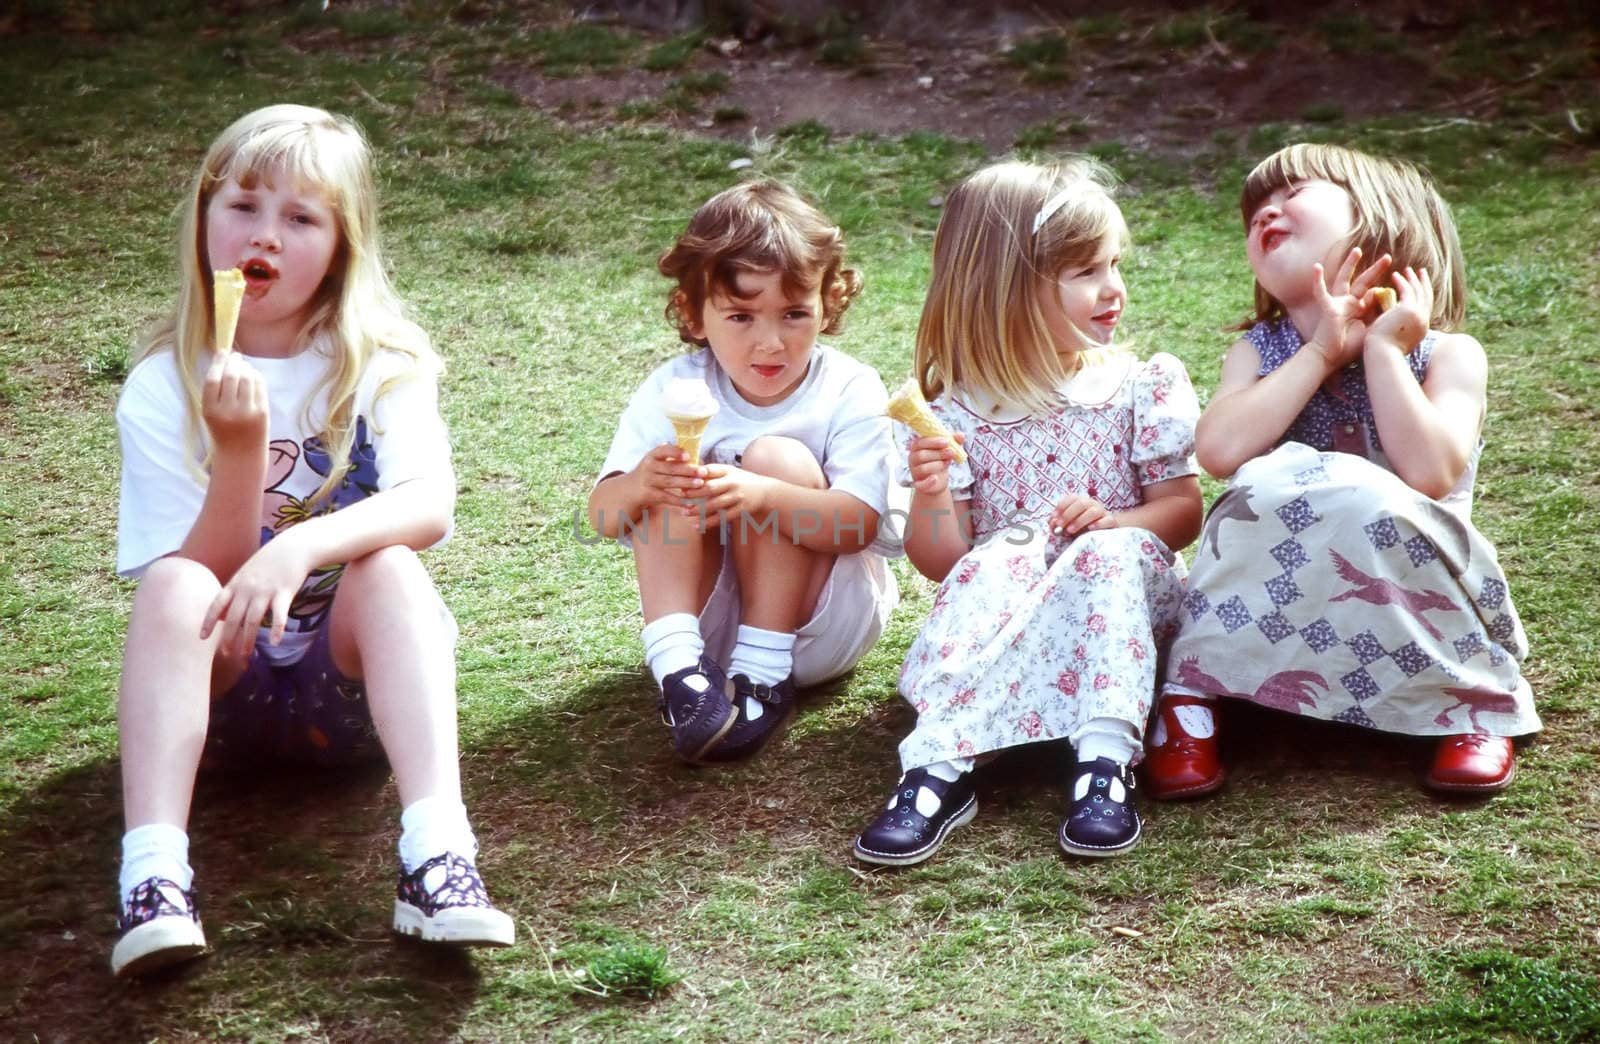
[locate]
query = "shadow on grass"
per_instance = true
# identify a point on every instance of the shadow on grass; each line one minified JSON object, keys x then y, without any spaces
{"x":295,"y":881}
{"x":597,"y":782}
{"x":295,"y":869}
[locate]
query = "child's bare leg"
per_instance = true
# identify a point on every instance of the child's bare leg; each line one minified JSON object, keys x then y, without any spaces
{"x":163,"y":707}
{"x":780,"y":581}
{"x":385,"y":630}
{"x":163,"y":703}
{"x":677,"y":564}
{"x":678,"y":568}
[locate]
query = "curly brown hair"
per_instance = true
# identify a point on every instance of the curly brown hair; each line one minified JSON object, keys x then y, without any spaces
{"x":759,"y":226}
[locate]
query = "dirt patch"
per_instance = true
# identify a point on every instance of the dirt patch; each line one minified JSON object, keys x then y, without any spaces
{"x":1155,"y":79}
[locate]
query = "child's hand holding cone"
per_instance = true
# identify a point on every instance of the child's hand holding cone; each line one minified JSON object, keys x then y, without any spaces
{"x":909,"y":408}
{"x":689,"y":405}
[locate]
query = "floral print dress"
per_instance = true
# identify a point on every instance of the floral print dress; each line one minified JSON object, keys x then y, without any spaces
{"x":1032,"y":636}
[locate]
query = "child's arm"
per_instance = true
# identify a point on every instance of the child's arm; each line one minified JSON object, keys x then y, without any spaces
{"x":830,"y":521}
{"x":1431,"y":427}
{"x":1172,"y":510}
{"x":939,"y":530}
{"x":233,"y":406}
{"x":660,"y":480}
{"x":1249,"y":413}
{"x":415,"y":513}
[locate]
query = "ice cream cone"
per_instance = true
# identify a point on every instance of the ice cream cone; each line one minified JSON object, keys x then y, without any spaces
{"x":909,"y":408}
{"x":1385,"y":298}
{"x":689,"y":431}
{"x":227,"y":291}
{"x":689,"y":405}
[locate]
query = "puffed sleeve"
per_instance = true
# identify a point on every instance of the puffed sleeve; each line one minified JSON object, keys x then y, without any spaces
{"x":161,"y":492}
{"x":959,"y":421}
{"x":1165,"y":411}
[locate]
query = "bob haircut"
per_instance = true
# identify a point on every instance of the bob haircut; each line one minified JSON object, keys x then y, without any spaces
{"x":1007,"y":233}
{"x":355,"y":312}
{"x":760,"y":226}
{"x":1398,"y":212}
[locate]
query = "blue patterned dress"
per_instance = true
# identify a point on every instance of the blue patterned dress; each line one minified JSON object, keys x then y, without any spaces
{"x":1325,"y":586}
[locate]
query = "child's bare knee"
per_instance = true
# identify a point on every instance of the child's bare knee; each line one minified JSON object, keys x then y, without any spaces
{"x":392,"y":565}
{"x":783,"y":458}
{"x":177,"y":581}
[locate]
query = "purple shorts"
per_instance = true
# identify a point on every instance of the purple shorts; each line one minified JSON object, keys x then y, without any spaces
{"x":306,"y":711}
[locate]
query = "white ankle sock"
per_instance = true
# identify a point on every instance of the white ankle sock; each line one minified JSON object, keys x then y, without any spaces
{"x":949,"y":771}
{"x":672,"y":643}
{"x":765,"y":657}
{"x":1106,"y":738}
{"x":155,"y":850}
{"x":432,"y":826}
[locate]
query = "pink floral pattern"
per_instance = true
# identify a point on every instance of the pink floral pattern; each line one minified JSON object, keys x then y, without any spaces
{"x":1033,"y":638}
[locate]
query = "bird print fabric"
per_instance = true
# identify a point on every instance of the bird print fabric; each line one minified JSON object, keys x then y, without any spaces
{"x":1325,"y":586}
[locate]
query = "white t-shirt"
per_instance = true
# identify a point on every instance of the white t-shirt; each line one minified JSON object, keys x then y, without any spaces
{"x":836,"y":413}
{"x":400,"y":438}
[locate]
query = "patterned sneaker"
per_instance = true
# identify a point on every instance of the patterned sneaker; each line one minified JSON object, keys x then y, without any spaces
{"x":695,"y":707}
{"x":1103,"y":821}
{"x":918,"y":817}
{"x":160,"y":927}
{"x":444,"y":900}
{"x":774,"y":705}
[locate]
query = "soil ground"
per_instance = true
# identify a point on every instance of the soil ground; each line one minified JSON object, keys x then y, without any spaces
{"x":1161,"y":78}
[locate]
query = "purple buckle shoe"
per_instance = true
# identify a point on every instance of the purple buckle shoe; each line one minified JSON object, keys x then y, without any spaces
{"x":694,"y":705}
{"x":775,"y":707}
{"x":1103,"y":821}
{"x":908,"y":830}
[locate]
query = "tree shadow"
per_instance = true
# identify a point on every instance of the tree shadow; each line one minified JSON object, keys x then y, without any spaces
{"x":295,"y":872}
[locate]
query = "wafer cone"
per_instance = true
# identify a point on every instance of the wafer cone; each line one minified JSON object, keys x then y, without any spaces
{"x":909,"y":408}
{"x":227,"y":291}
{"x":689,"y":431}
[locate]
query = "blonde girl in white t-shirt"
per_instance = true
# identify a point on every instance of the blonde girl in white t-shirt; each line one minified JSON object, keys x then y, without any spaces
{"x":275,"y":492}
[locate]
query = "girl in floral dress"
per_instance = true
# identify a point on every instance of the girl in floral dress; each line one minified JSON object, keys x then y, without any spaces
{"x":1053,"y":538}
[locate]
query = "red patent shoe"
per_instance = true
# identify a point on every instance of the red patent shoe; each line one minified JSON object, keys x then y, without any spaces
{"x":1182,"y":760}
{"x":1473,"y":763}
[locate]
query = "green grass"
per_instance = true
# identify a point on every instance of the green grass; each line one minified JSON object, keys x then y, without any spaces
{"x":1321,"y":896}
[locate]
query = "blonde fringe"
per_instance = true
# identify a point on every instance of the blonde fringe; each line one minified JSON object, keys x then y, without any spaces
{"x":357,"y":312}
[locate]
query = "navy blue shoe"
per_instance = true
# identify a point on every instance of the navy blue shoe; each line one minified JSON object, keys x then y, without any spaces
{"x":695,"y":707}
{"x":904,"y":833}
{"x":1102,"y":820}
{"x":774,"y":706}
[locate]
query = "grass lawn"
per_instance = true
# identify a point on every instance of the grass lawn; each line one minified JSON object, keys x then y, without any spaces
{"x":1323,"y":895}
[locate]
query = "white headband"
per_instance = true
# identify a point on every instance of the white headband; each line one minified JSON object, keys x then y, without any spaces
{"x":1053,"y":204}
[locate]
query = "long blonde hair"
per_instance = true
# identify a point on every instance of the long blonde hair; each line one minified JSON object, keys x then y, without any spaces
{"x":983,"y":327}
{"x":1398,"y":212}
{"x":355,"y":311}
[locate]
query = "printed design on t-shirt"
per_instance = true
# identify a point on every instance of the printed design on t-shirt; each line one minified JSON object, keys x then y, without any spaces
{"x":281,"y":509}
